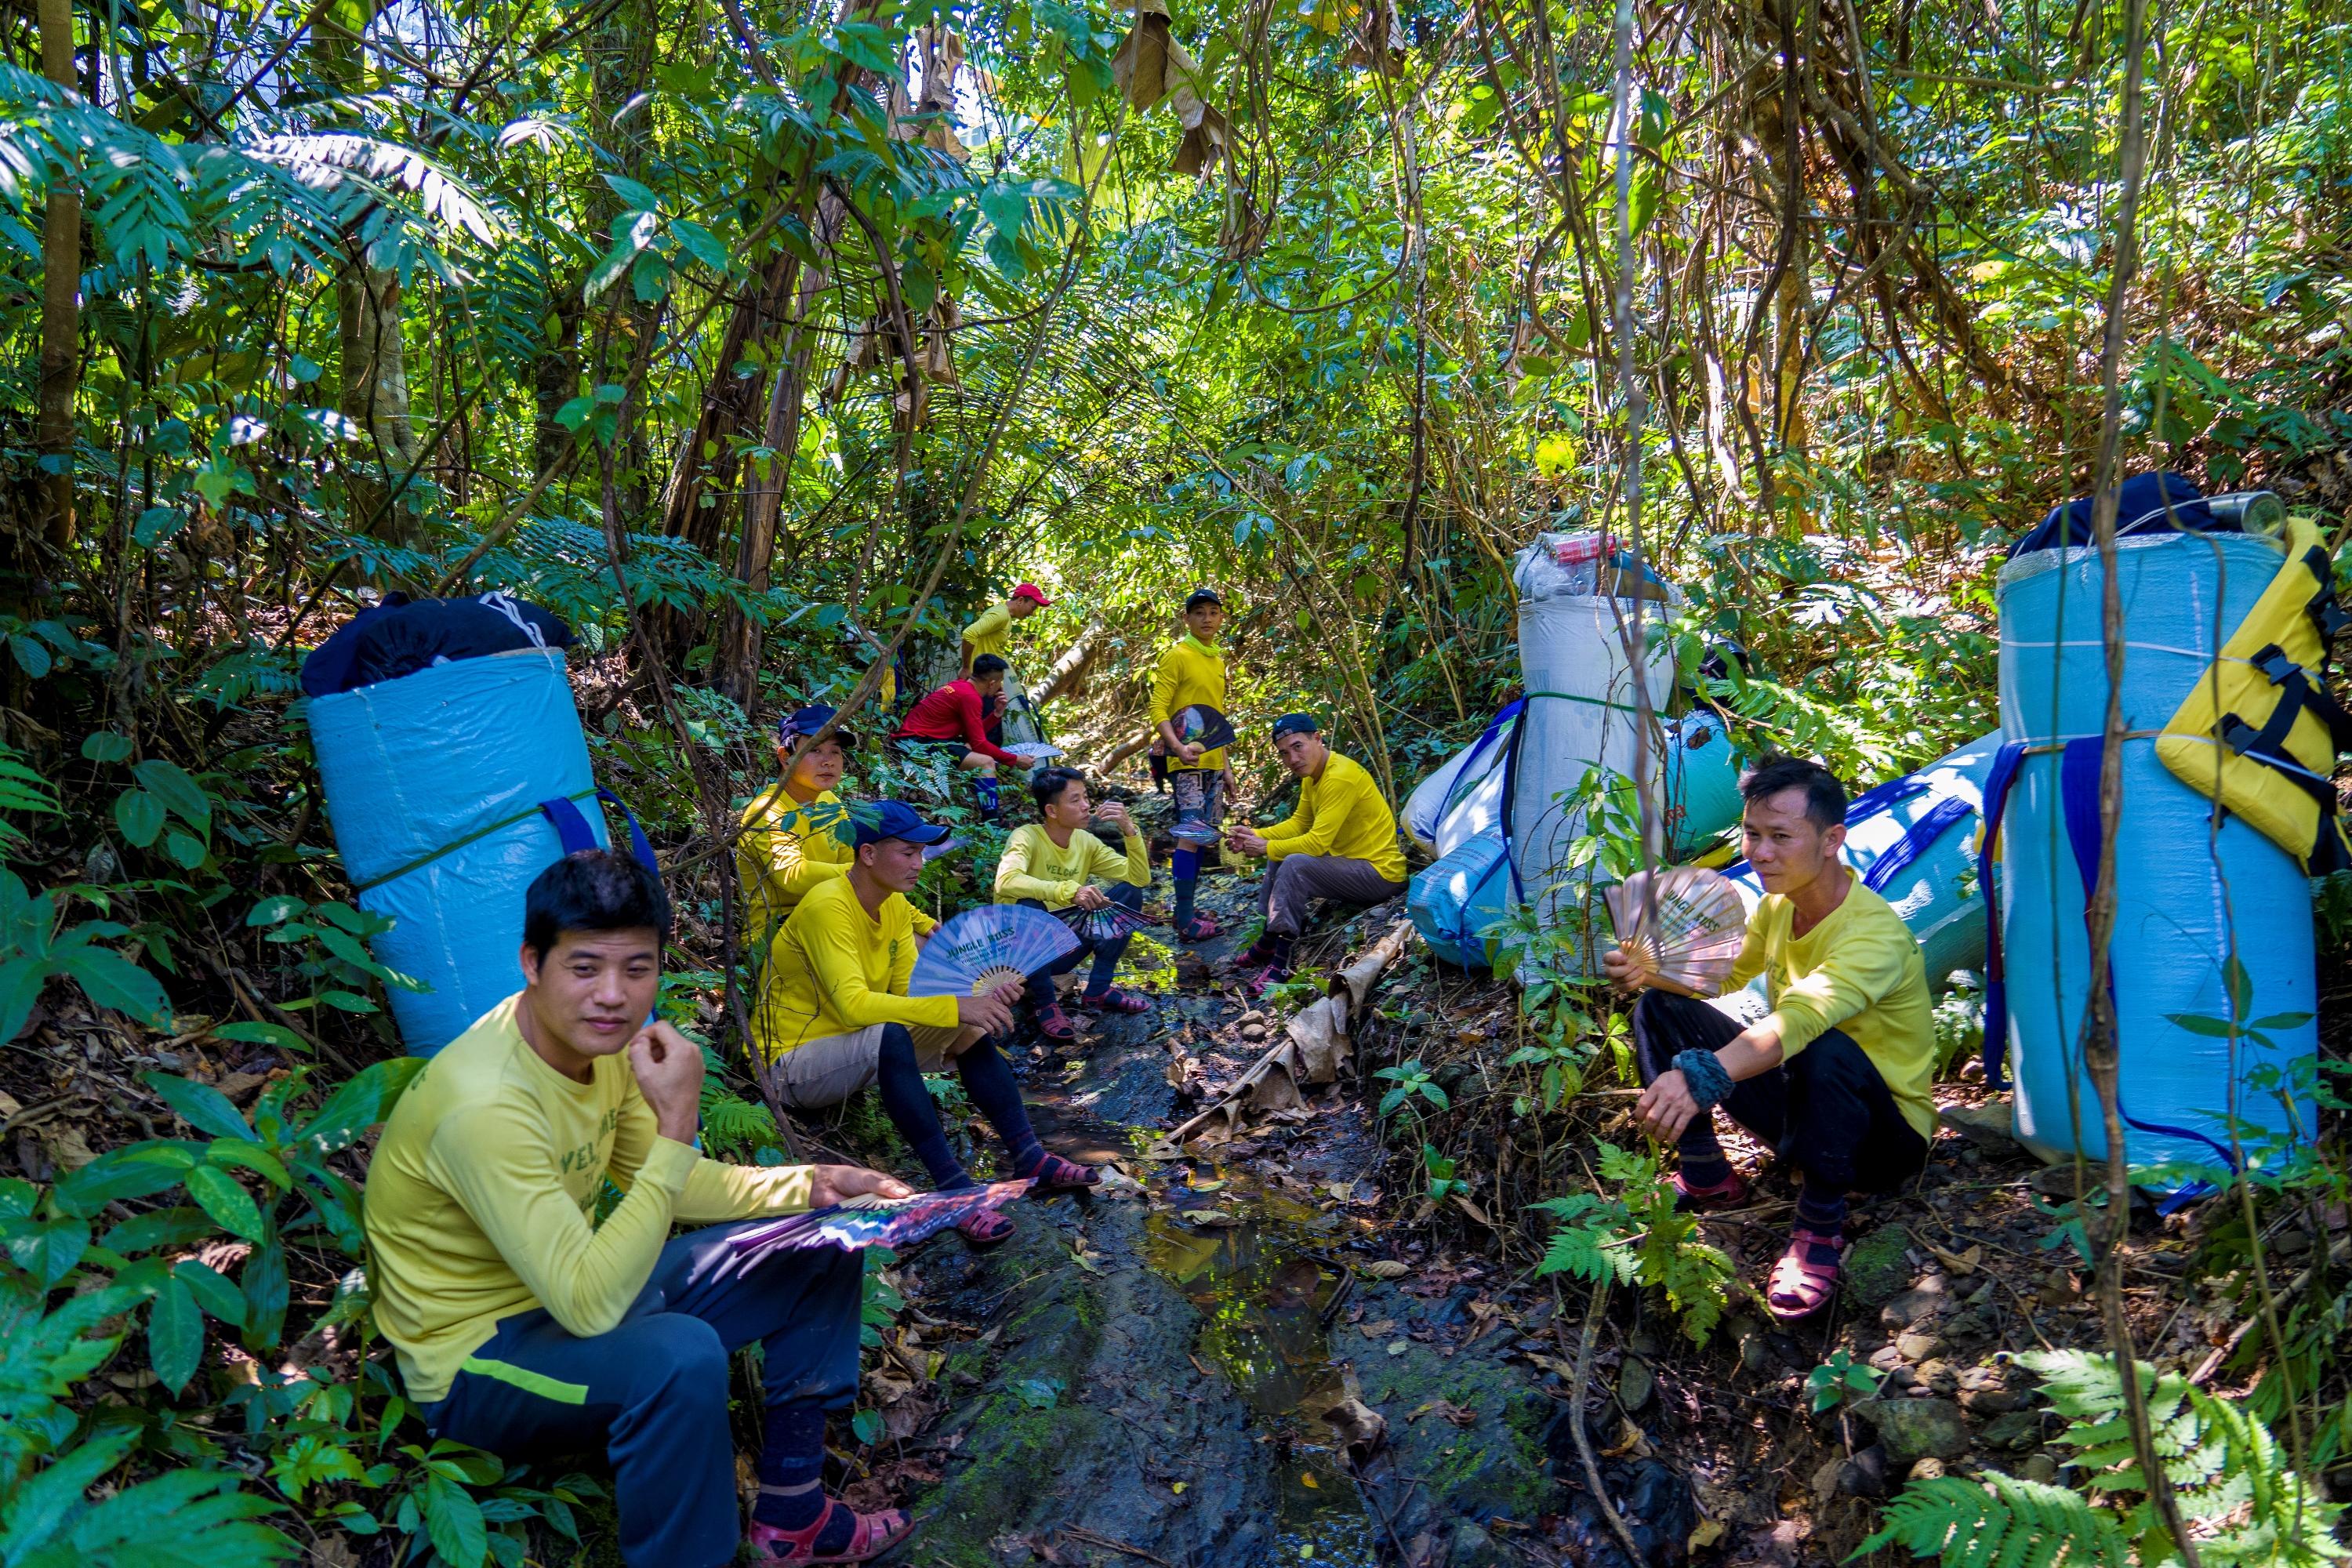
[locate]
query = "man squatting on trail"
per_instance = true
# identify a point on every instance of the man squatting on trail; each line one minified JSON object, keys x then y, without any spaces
{"x":1835,"y":1080}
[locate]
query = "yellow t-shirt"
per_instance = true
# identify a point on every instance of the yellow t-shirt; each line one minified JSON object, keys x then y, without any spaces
{"x":988,"y":634}
{"x":1189,"y":672}
{"x":786,"y":849}
{"x":834,"y":969}
{"x":479,"y":1194}
{"x":1859,"y":971}
{"x":1340,"y":814}
{"x":1034,"y":866}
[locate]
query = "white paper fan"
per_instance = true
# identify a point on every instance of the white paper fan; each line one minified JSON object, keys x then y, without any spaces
{"x":1035,"y":751}
{"x":1683,"y":926}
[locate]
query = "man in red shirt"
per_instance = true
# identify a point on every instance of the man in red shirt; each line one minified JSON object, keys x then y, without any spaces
{"x":952,"y":721}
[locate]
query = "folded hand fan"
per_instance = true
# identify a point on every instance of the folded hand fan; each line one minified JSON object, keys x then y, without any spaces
{"x":980,"y":948}
{"x":1035,"y":750}
{"x":1201,"y":725}
{"x":872,"y":1221}
{"x":944,"y":847}
{"x":1683,"y":926}
{"x":1196,"y":830}
{"x":1103,"y":925}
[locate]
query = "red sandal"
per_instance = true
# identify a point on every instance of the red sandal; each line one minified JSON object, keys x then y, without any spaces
{"x":1200,"y":928}
{"x":1055,"y":1024}
{"x":1802,"y":1284}
{"x":1055,"y":1174}
{"x":1115,"y":1001}
{"x":986,"y":1228}
{"x":1728,"y":1192}
{"x":871,"y":1535}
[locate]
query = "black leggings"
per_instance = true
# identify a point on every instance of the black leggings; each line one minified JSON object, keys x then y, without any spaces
{"x":987,"y":1078}
{"x":1825,"y":1109}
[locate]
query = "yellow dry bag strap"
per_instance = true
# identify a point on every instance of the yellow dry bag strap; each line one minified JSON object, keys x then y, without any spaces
{"x":2259,"y":733}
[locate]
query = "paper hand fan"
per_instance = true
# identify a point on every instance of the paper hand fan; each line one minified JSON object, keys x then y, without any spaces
{"x":1195,"y":830}
{"x":1036,"y":751}
{"x":980,"y":948}
{"x":1103,"y":925}
{"x":1201,"y":725}
{"x":1683,"y":926}
{"x":872,"y":1221}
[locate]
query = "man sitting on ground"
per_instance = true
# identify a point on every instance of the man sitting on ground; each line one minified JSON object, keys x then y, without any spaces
{"x":524,"y":1329}
{"x":835,"y":1016}
{"x":952,"y":721}
{"x":1340,"y":843}
{"x":1045,"y":865}
{"x":1191,"y":672}
{"x":796,"y":832}
{"x":994,"y":628}
{"x":1835,"y":1080}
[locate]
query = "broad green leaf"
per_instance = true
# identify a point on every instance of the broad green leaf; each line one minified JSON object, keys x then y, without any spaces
{"x":216,"y":1293}
{"x":275,"y":910}
{"x":216,"y":1192}
{"x":184,"y":848}
{"x":251,"y":1156}
{"x":134,"y":1171}
{"x":2240,"y":986}
{"x":158,"y":1228}
{"x":200,"y":1105}
{"x":453,"y":1521}
{"x":139,"y":815}
{"x":175,"y":1334}
{"x":45,"y":1501}
{"x":361,"y":1103}
{"x":2198,"y":1024}
{"x":277,"y":1034}
{"x":111,"y":980}
{"x":47,"y":1248}
{"x":170,"y":784}
{"x":106,"y":746}
{"x":266,"y":1286}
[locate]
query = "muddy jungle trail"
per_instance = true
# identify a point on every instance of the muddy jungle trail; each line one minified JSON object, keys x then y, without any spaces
{"x":1265,"y":1348}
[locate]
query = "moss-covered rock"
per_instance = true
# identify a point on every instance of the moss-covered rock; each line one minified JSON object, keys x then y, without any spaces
{"x":1876,"y":1270}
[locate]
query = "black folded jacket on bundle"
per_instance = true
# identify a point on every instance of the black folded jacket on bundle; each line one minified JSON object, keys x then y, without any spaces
{"x":402,"y":636}
{"x":2146,"y":503}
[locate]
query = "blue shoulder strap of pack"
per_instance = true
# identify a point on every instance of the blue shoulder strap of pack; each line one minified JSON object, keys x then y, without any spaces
{"x":572,"y":828}
{"x":2005,"y":763}
{"x":1917,"y":839}
{"x":2078,"y":792}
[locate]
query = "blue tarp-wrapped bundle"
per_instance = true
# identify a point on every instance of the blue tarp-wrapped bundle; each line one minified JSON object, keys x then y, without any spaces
{"x":433,"y":783}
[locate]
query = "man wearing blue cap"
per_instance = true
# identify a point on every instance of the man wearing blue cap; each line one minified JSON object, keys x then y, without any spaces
{"x":796,"y":832}
{"x":1340,"y":843}
{"x":834,"y":1014}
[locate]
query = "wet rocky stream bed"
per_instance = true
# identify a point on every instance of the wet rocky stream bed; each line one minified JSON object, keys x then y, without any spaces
{"x":1142,"y":1374}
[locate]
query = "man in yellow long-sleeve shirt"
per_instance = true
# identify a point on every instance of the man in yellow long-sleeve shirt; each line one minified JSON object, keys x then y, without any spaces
{"x":993,"y":629}
{"x":1340,"y":843}
{"x":1836,"y":1077}
{"x":796,"y":832}
{"x":1191,"y":673}
{"x":523,"y":1328}
{"x":835,"y":1016}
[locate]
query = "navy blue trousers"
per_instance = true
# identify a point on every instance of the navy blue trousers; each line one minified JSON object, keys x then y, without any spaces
{"x":1825,"y":1109}
{"x":653,"y":1392}
{"x":1107,"y":954}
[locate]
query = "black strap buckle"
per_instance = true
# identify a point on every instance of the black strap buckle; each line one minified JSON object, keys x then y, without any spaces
{"x":2273,"y":662}
{"x":2237,"y":734}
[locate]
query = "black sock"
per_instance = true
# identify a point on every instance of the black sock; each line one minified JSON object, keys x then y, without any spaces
{"x":1822,"y":1211}
{"x":792,"y":1456}
{"x":1703,"y":1162}
{"x":910,"y":1108}
{"x":1278,"y":952}
{"x":989,"y":1081}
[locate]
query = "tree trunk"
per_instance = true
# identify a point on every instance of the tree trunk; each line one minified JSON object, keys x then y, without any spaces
{"x":375,"y":396}
{"x":555,"y":377}
{"x":60,"y":305}
{"x":1068,"y":676}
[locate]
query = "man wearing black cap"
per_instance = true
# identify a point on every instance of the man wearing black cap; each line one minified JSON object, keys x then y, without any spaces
{"x":1340,"y":843}
{"x":796,"y":832}
{"x":1191,"y":672}
{"x":834,"y":1014}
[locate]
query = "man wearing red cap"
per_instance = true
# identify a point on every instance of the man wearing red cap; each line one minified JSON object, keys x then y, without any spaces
{"x":988,"y":634}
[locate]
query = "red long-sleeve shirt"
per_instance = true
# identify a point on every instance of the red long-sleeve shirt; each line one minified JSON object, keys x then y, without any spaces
{"x":953,"y":713}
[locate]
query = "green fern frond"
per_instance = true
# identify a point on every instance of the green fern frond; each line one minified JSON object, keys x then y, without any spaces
{"x":2001,"y":1522}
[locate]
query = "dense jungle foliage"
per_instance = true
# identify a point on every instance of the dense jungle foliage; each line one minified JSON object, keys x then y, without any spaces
{"x":763,"y":342}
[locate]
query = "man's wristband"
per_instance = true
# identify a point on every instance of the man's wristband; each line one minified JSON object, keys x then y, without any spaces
{"x":1704,"y":1075}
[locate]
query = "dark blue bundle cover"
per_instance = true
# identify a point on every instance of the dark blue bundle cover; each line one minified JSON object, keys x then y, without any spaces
{"x":403,"y":636}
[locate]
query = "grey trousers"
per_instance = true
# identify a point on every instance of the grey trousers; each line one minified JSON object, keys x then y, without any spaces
{"x":1289,"y":882}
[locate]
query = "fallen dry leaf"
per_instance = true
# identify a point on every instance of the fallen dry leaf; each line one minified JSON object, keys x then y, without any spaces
{"x":1473,"y":1210}
{"x":1209,"y":1217}
{"x":1387,"y":1268}
{"x":1708,"y":1532}
{"x":1958,"y":1262}
{"x":1445,"y":1410}
{"x":1360,"y":1429}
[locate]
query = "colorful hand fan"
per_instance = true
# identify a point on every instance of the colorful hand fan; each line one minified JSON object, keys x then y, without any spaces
{"x":1037,"y":750}
{"x":1195,"y":830}
{"x":871,"y":1221}
{"x":980,"y":948}
{"x":1103,"y":925}
{"x":1683,"y":927}
{"x":1203,"y":726}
